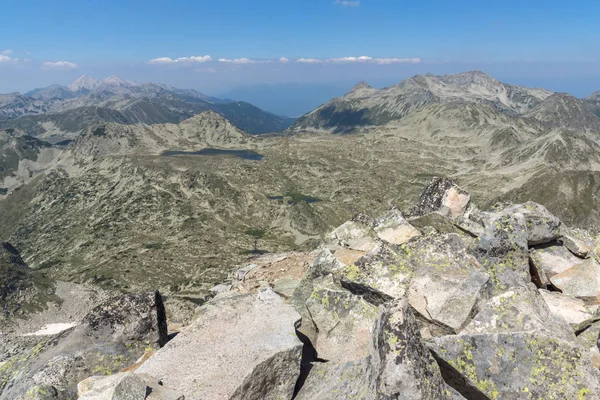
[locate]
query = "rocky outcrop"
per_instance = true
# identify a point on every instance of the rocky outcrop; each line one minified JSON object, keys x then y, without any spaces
{"x":443,"y":196}
{"x":240,"y":347}
{"x":111,"y":337}
{"x":22,"y":290}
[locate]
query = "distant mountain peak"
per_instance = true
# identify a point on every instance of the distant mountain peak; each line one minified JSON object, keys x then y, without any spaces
{"x":360,"y":86}
{"x":115,"y":80}
{"x":83,"y":83}
{"x":594,"y":96}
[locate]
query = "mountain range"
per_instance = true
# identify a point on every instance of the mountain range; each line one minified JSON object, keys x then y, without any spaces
{"x":193,"y":197}
{"x":58,"y":113}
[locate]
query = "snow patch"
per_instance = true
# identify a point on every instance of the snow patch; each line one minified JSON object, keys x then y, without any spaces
{"x":52,"y":329}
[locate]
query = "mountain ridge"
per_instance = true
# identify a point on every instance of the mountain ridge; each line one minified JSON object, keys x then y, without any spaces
{"x":44,"y":110}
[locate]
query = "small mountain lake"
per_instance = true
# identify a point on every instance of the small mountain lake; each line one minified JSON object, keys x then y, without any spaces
{"x":245,"y":154}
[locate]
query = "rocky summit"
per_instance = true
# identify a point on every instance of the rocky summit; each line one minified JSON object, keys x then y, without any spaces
{"x":450,"y":302}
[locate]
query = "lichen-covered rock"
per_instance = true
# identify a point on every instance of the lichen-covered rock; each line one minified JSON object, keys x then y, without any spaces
{"x":381,"y":275}
{"x":502,"y":250}
{"x":590,"y":336}
{"x":521,"y":309}
{"x":520,"y":365}
{"x":402,"y":366}
{"x":438,"y":222}
{"x":45,"y":393}
{"x":356,"y":234}
{"x":578,"y":241}
{"x":324,"y":264}
{"x":443,"y":196}
{"x":549,"y":261}
{"x":242,"y":347}
{"x":338,"y":381}
{"x":542,"y":226}
{"x":394,"y":228}
{"x":581,"y":281}
{"x":111,"y":337}
{"x":344,"y":322}
{"x":446,"y":281}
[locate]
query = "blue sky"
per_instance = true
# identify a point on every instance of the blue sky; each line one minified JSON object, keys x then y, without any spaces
{"x":554,"y":43}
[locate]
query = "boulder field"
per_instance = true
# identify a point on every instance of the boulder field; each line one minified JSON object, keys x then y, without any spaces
{"x":449,"y":302}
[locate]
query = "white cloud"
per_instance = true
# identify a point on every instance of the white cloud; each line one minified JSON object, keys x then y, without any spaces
{"x":361,"y":59}
{"x":397,"y":60}
{"x":6,"y":52}
{"x":284,"y":60}
{"x":346,"y":3}
{"x":237,"y":61}
{"x":64,"y":65}
{"x":5,"y":59}
{"x":309,"y":60}
{"x":181,"y":60}
{"x":351,"y":59}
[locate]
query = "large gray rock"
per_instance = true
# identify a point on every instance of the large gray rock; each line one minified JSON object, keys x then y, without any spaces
{"x":111,"y":337}
{"x":542,"y":226}
{"x":521,"y":309}
{"x":503,"y":251}
{"x":344,"y":322}
{"x":125,"y":386}
{"x":381,"y":275}
{"x":446,"y":282}
{"x":519,"y":365}
{"x":443,"y":196}
{"x":121,"y":386}
{"x":338,"y":381}
{"x":242,"y":347}
{"x":394,"y":228}
{"x":549,"y":261}
{"x":581,"y":281}
{"x":356,"y":234}
{"x":573,"y":310}
{"x":324,"y":264}
{"x":578,"y":241}
{"x":402,"y":367}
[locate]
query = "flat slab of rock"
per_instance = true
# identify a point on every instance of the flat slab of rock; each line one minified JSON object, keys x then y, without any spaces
{"x":394,"y":228}
{"x":243,"y":347}
{"x":521,"y":309}
{"x":338,"y":381}
{"x":446,"y":283}
{"x":581,"y":280}
{"x":354,"y":234}
{"x":344,"y":322}
{"x":569,"y":308}
{"x":550,"y":261}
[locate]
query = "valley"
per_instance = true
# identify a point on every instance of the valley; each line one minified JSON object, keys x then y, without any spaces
{"x":130,"y":207}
